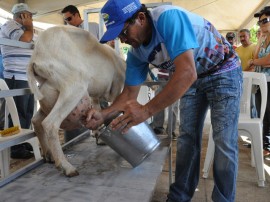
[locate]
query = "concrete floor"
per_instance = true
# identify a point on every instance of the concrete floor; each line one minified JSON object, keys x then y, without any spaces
{"x":247,"y":189}
{"x":104,"y":177}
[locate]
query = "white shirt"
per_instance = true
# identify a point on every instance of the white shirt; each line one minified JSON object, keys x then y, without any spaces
{"x":93,"y":28}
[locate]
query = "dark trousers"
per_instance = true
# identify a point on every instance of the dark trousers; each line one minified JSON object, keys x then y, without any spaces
{"x":2,"y":113}
{"x":266,"y":118}
{"x":24,"y":103}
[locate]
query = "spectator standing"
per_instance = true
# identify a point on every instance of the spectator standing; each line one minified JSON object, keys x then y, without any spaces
{"x":256,"y":90}
{"x":207,"y":73}
{"x":15,"y":61}
{"x":246,"y":50}
{"x":1,"y":64}
{"x":230,"y":36}
{"x":72,"y":17}
{"x":258,"y":34}
{"x":2,"y":100}
{"x":262,"y":63}
{"x":159,"y":118}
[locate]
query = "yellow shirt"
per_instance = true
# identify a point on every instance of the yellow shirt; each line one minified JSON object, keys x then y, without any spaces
{"x":245,"y":54}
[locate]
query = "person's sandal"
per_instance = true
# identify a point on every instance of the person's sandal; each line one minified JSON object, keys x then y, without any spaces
{"x":159,"y":130}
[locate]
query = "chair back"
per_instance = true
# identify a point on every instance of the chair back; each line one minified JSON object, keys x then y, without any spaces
{"x":250,"y":79}
{"x":10,"y":106}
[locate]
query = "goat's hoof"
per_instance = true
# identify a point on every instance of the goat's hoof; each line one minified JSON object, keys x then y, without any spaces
{"x":69,"y":171}
{"x":71,"y":174}
{"x":48,"y":159}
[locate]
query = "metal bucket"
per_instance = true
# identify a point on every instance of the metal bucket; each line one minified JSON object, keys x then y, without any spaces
{"x":134,"y":146}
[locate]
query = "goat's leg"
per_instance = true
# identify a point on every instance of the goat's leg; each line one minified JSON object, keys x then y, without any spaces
{"x":37,"y":120}
{"x":66,"y":102}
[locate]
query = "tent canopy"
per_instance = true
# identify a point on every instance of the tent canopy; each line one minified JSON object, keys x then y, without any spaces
{"x":226,"y":15}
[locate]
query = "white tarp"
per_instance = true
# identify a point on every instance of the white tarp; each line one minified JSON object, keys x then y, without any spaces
{"x":226,"y":15}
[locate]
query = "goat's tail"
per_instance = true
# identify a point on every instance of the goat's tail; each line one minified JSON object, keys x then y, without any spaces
{"x":32,"y":81}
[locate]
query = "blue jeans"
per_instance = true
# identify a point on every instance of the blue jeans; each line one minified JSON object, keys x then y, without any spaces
{"x":222,"y":94}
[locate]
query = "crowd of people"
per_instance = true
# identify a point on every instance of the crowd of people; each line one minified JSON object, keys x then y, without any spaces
{"x":254,"y":57}
{"x":197,"y":81}
{"x":260,"y":63}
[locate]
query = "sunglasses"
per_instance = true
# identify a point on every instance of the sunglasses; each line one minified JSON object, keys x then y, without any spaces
{"x":124,"y":32}
{"x":263,"y":21}
{"x":68,"y":18}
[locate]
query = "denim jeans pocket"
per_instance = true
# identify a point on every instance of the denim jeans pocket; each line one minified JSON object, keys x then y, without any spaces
{"x":225,"y":99}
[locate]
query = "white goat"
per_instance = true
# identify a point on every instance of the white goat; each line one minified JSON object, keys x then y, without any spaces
{"x":72,"y":69}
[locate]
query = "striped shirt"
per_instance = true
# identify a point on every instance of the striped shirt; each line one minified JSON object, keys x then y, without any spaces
{"x":15,"y":60}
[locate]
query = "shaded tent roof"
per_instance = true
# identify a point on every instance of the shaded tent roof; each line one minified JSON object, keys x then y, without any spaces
{"x":226,"y":15}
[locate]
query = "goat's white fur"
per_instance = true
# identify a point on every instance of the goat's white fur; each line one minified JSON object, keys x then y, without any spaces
{"x":69,"y":64}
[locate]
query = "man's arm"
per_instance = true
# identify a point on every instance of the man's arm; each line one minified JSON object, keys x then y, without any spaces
{"x":27,"y":22}
{"x":183,"y":77}
{"x":135,"y":113}
{"x":264,"y":61}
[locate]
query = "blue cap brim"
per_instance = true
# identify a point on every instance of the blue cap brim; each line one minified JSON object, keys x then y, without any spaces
{"x":112,"y":33}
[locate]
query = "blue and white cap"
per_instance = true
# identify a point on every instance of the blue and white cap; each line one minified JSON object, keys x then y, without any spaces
{"x":115,"y":13}
{"x":20,"y":7}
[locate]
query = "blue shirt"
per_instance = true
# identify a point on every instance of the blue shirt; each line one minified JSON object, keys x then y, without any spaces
{"x":263,"y":52}
{"x":175,"y":31}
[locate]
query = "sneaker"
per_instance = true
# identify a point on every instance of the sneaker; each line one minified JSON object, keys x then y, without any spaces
{"x":28,"y":146}
{"x":159,"y":130}
{"x":24,"y":145}
{"x":168,"y":200}
{"x":174,"y":137}
{"x":20,"y":152}
{"x":248,"y":145}
{"x":266,"y":152}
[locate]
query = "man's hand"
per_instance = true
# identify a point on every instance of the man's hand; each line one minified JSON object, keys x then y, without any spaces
{"x":134,"y":113}
{"x":94,"y":119}
{"x":27,"y":21}
{"x":251,"y":66}
{"x":250,"y":62}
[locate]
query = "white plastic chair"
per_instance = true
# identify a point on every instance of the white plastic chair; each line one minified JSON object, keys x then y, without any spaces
{"x":252,"y":126}
{"x":5,"y":153}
